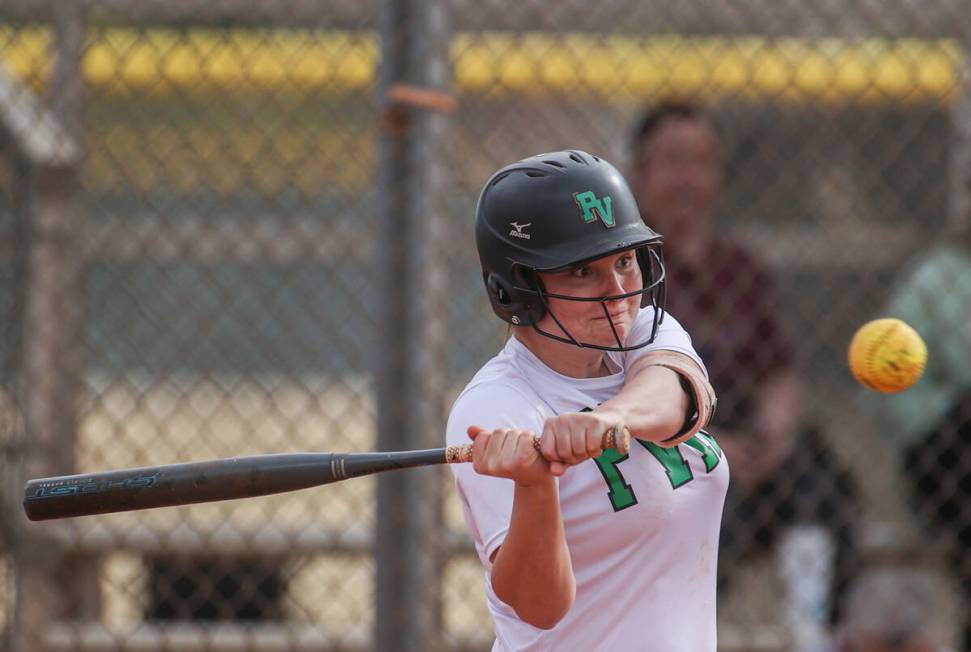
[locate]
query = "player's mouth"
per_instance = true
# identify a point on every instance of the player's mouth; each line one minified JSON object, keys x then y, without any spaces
{"x":615,"y":315}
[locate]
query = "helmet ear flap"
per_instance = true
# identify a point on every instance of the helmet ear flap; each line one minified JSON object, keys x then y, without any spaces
{"x":647,"y":273}
{"x":507,"y":303}
{"x":499,"y":290}
{"x":651,"y":261}
{"x":531,"y":305}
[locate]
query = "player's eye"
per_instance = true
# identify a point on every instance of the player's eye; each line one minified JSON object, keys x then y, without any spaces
{"x":626,"y":261}
{"x":581,"y":272}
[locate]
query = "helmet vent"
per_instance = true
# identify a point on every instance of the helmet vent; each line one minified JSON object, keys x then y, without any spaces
{"x":555,"y":164}
{"x":576,"y":158}
{"x":495,"y":182}
{"x":535,"y":173}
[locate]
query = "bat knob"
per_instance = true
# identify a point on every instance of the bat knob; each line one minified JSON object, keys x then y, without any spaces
{"x":461,"y":453}
{"x":618,"y":438}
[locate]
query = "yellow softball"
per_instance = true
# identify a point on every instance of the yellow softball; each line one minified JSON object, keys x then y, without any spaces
{"x":887,"y":355}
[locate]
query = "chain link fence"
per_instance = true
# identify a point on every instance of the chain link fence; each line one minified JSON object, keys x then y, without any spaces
{"x":220,"y":237}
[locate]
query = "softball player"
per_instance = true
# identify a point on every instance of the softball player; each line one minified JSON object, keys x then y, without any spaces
{"x":587,"y":549}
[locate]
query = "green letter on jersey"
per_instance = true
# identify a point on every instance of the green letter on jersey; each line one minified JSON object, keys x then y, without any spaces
{"x":675,"y":466}
{"x":708,"y":447}
{"x":673,"y":461}
{"x":620,"y":494}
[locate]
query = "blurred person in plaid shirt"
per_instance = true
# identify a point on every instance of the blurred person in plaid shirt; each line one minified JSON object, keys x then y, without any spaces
{"x":782,"y":473}
{"x":929,"y":425}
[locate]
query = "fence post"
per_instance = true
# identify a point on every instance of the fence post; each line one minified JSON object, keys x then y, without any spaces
{"x":411,"y":372}
{"x":51,"y":355}
{"x":959,"y":191}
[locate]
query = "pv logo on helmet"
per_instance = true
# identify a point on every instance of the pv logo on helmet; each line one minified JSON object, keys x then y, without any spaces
{"x":593,"y":207}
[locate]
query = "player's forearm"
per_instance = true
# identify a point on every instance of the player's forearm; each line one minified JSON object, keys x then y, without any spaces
{"x":532,"y":571}
{"x":652,"y":402}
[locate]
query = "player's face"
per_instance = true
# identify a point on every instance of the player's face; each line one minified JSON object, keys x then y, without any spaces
{"x":678,"y":177}
{"x":587,"y":321}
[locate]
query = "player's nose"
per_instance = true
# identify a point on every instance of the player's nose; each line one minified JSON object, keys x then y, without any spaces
{"x":614,"y":284}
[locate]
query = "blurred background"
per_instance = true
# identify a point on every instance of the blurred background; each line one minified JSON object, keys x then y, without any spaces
{"x":220,"y":235}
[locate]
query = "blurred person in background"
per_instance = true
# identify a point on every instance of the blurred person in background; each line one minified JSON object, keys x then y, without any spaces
{"x":784,"y":479}
{"x":893,"y":610}
{"x":929,"y":425}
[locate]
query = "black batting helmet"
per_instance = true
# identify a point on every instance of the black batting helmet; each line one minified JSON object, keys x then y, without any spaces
{"x":552,"y":212}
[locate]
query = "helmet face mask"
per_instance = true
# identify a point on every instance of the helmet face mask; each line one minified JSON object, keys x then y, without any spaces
{"x":554,"y":212}
{"x":651,"y":294}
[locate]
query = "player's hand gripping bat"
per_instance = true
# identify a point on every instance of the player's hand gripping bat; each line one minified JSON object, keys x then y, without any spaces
{"x":230,"y":478}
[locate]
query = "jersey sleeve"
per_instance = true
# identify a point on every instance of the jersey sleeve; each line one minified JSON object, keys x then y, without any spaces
{"x":487,"y":500}
{"x":671,"y":336}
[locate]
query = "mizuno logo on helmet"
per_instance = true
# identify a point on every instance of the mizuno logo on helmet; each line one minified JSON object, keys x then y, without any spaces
{"x":593,"y":207}
{"x":517,"y":230}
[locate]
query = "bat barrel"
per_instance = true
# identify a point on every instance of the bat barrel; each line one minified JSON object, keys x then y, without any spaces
{"x":228,"y":479}
{"x":176,"y":484}
{"x":205,"y":482}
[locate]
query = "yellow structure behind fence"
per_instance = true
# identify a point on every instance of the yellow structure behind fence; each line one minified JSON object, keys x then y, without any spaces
{"x":613,"y":67}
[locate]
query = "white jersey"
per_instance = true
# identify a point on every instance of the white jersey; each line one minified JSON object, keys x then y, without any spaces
{"x":642,"y":529}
